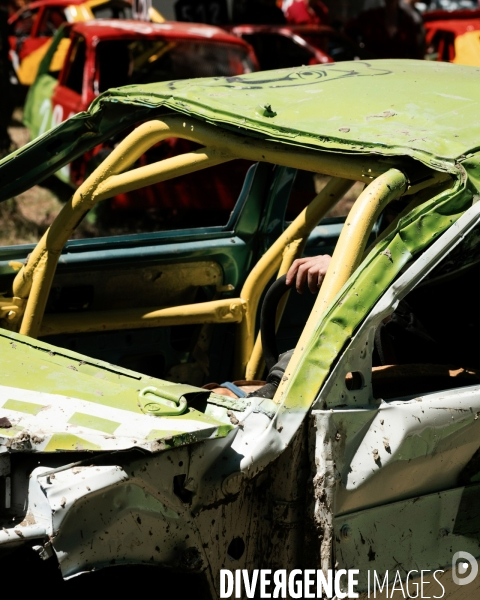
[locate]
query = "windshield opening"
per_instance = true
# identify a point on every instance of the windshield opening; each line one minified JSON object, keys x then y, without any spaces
{"x":125,"y":62}
{"x":112,"y":10}
{"x":335,"y":46}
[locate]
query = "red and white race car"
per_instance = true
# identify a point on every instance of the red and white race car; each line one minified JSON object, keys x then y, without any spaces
{"x":86,"y":59}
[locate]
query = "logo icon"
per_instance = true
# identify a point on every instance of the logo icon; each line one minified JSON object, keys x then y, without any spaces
{"x":461,"y":562}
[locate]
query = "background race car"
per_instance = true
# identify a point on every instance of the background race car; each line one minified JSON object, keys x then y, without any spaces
{"x":103,"y":54}
{"x":453,"y":36}
{"x":34,"y":25}
{"x":282,"y":46}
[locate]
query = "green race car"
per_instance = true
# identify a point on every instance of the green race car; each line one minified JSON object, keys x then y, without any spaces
{"x":366,"y":458}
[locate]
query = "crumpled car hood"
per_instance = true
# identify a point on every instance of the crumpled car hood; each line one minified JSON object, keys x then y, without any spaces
{"x":52,"y":399}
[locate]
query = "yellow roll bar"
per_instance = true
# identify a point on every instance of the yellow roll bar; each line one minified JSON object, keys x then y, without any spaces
{"x":227,"y":310}
{"x":241,"y":310}
{"x":347,"y":255}
{"x":112,"y":177}
{"x":265,"y":269}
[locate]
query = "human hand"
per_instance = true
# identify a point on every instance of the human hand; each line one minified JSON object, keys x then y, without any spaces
{"x":308,"y":271}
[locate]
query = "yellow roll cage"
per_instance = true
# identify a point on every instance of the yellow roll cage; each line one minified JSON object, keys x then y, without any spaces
{"x":32,"y":284}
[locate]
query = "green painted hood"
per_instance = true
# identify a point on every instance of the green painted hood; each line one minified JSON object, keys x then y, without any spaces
{"x":389,"y":107}
{"x":52,"y":399}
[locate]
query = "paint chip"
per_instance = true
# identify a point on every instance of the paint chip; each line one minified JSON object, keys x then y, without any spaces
{"x":388,"y":254}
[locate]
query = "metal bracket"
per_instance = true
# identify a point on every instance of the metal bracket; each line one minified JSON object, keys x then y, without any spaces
{"x":165,"y":404}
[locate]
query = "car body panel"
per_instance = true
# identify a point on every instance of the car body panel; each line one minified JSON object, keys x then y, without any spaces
{"x":63,"y":413}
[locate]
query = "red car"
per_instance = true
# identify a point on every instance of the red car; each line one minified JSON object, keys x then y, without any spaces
{"x":33,"y":26}
{"x":279,"y":46}
{"x":104,"y":54}
{"x":443,"y":30}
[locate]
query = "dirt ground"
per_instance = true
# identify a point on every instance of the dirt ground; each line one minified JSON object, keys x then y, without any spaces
{"x":24,"y":219}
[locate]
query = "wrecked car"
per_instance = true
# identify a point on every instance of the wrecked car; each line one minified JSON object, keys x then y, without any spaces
{"x":33,"y":26}
{"x":453,"y":36}
{"x":114,"y":448}
{"x":107,"y":53}
{"x":282,"y":46}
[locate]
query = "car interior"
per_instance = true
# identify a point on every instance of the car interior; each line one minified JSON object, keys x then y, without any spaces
{"x":108,"y":294}
{"x":180,"y":267}
{"x":429,"y":343}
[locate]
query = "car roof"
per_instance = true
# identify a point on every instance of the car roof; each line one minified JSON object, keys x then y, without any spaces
{"x":122,"y":28}
{"x":394,"y":106}
{"x":428,"y":111}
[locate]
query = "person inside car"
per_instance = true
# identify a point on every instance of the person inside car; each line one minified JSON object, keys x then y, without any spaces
{"x":400,"y":339}
{"x":305,"y":273}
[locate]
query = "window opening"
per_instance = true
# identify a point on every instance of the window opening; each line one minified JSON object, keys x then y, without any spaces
{"x":52,"y":19}
{"x":76,"y":64}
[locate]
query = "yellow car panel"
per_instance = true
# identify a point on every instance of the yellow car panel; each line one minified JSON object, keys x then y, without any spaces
{"x":467,"y":49}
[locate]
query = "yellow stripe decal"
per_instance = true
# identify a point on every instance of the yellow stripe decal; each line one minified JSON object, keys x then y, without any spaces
{"x":25,"y":407}
{"x":84,"y":420}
